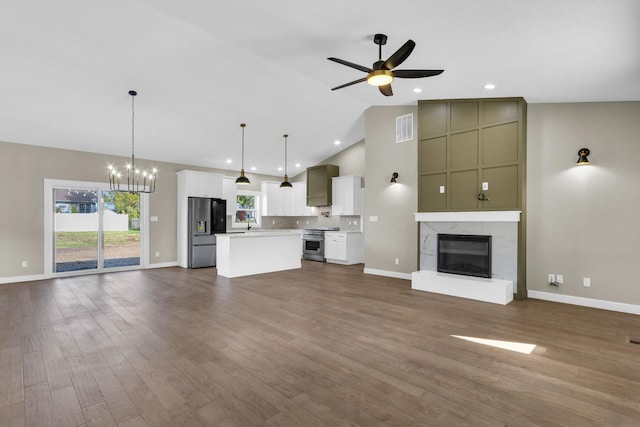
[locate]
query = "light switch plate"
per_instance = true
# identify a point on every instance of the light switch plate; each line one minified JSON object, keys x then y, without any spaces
{"x":154,"y":219}
{"x":485,"y":186}
{"x":442,"y":189}
{"x":373,"y":218}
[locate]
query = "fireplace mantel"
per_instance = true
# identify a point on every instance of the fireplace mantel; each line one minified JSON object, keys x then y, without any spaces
{"x":477,"y":216}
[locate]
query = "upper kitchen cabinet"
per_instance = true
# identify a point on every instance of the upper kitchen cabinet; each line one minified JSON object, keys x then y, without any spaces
{"x":230,"y":194}
{"x":300,"y":207}
{"x":471,"y":154}
{"x":319,"y":185}
{"x":278,"y":201}
{"x":199,"y":184}
{"x":347,"y":195}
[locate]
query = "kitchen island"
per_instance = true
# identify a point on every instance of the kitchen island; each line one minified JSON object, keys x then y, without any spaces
{"x":256,"y":252}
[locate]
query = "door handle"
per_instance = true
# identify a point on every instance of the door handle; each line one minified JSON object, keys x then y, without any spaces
{"x":482,"y":197}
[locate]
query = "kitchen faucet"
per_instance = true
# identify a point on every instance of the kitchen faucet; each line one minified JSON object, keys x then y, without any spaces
{"x":248,"y":226}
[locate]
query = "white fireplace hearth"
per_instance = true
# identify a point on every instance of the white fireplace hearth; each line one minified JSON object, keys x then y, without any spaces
{"x":502,"y":226}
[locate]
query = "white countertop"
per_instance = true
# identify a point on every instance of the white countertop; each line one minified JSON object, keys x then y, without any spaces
{"x":259,"y":233}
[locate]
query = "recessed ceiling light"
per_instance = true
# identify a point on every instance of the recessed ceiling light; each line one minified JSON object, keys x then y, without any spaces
{"x":336,"y":142}
{"x":417,"y":90}
{"x":228,"y":160}
{"x":489,"y":86}
{"x":297,"y":165}
{"x":253,"y":168}
{"x":280,"y":168}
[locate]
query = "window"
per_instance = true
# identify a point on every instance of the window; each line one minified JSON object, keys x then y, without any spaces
{"x":247,"y":208}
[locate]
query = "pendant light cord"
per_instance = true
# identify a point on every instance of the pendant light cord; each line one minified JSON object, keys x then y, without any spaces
{"x":285,"y":154}
{"x":133,"y":113}
{"x":243,"y":126}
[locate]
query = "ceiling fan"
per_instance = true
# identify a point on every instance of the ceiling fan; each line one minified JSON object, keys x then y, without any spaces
{"x":382,"y":73}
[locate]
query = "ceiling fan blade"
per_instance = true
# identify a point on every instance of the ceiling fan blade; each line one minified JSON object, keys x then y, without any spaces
{"x":386,"y":90}
{"x":364,"y":79}
{"x":399,"y":56}
{"x":351,"y":64}
{"x":415,"y":74}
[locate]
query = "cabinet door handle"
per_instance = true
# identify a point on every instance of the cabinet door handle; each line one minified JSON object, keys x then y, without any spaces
{"x":482,"y":197}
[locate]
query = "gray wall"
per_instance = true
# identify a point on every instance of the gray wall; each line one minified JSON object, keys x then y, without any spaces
{"x":583,"y":220}
{"x":23,"y":169}
{"x":395,"y":235}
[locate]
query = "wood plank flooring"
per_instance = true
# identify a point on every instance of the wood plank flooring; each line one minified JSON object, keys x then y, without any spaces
{"x":323,"y":345}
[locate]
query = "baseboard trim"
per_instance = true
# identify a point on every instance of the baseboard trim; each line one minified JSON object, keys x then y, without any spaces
{"x":162,"y":265}
{"x":18,"y":279}
{"x":386,"y":273}
{"x":586,"y":302}
{"x":34,"y":277}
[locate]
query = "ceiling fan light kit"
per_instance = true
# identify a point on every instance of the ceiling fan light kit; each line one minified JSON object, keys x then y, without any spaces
{"x":382,"y":73}
{"x":379,"y":77}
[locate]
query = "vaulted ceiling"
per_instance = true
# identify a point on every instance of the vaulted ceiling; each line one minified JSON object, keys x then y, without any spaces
{"x":202,"y":67}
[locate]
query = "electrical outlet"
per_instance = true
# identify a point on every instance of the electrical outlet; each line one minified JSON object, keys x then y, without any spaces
{"x":586,"y":282}
{"x":397,"y":261}
{"x":273,"y":222}
{"x":297,"y":222}
{"x":355,"y":222}
{"x":157,"y":254}
{"x":559,"y":278}
{"x":442,"y":189}
{"x":25,"y":264}
{"x":552,"y":278}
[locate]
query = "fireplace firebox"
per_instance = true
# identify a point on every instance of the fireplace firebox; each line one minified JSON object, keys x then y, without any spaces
{"x":469,"y":255}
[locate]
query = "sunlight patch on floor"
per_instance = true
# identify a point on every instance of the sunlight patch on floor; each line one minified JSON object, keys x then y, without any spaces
{"x":519,"y":347}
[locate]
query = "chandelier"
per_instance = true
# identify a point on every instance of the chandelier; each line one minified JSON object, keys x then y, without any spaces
{"x":137,"y":181}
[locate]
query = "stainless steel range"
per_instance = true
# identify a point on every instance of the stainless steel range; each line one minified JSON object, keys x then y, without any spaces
{"x":313,"y":243}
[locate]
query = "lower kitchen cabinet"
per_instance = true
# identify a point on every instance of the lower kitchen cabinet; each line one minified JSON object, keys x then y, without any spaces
{"x":343,"y":247}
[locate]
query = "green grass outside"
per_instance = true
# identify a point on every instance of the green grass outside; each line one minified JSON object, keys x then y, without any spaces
{"x":83,"y":239}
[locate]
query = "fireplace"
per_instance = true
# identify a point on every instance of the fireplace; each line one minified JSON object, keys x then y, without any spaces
{"x":468,"y":255}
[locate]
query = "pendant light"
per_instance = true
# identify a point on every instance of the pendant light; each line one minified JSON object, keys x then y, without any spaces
{"x":136,"y":181}
{"x":285,"y":183}
{"x":242,"y":180}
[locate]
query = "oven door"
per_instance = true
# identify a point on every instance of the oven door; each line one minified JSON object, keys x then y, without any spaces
{"x":313,"y":248}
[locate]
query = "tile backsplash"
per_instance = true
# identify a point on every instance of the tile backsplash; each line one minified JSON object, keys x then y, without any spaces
{"x":345,"y":223}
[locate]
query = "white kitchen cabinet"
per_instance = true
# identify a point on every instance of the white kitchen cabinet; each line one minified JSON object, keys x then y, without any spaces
{"x":347,"y":195}
{"x":199,"y":184}
{"x":300,"y":207}
{"x":276,"y":201}
{"x":230,"y":194}
{"x":192,"y":184}
{"x":343,"y":247}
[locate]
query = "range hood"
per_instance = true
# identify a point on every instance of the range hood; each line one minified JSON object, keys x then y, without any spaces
{"x":319,"y":187}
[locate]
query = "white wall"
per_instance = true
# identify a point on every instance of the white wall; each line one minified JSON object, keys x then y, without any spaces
{"x":583,"y":221}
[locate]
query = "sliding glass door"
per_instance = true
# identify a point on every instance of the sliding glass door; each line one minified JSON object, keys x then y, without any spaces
{"x":120,"y":229}
{"x":95,"y":229}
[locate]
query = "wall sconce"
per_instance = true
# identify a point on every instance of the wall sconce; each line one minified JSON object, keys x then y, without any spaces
{"x":582,"y":159}
{"x":394,"y":178}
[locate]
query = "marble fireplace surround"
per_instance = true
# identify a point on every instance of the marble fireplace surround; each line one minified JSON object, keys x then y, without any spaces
{"x":502,"y":226}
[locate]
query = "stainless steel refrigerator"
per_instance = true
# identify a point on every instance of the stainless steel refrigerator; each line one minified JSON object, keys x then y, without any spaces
{"x":207,"y":217}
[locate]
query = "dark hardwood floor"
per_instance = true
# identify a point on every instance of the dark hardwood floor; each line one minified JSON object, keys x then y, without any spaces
{"x":323,"y":345}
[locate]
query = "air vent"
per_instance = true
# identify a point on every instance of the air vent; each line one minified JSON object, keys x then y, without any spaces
{"x":404,"y":128}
